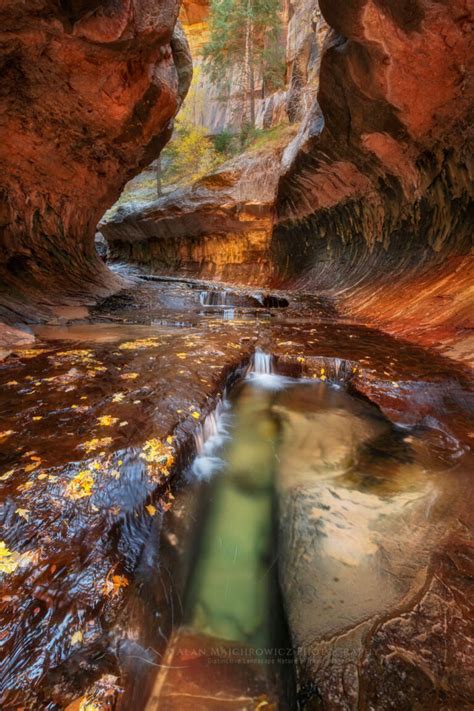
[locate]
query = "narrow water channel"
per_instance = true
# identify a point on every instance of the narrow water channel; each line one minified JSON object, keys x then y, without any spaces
{"x":293,"y":486}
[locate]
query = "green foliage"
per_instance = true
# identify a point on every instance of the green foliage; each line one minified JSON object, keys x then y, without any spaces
{"x":189,"y":155}
{"x":274,"y":66}
{"x":245,"y":35}
{"x":226,"y":143}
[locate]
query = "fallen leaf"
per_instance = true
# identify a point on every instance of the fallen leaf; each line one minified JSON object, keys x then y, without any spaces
{"x":37,"y":418}
{"x":139,"y":343}
{"x":81,"y":485}
{"x":24,"y":513}
{"x":7,"y":475}
{"x":196,"y":415}
{"x":129,"y":376}
{"x":118,"y":397}
{"x":76,"y":637}
{"x":9,"y":560}
{"x":107,"y":420}
{"x":151,"y":509}
{"x":93,"y":444}
{"x":113,"y":585}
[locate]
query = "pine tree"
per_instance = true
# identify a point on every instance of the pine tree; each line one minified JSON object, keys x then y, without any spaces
{"x":244,"y":35}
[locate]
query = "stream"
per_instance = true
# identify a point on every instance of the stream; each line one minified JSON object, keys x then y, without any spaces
{"x":211,"y":497}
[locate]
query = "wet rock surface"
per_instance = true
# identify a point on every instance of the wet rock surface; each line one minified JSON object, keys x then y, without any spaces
{"x":366,"y":517}
{"x":98,"y":421}
{"x":89,"y":92}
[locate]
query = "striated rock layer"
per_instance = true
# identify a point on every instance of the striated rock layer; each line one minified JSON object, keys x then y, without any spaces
{"x":89,"y":89}
{"x":219,"y":227}
{"x":374,"y":205}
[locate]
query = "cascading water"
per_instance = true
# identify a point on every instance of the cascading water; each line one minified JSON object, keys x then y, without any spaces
{"x":209,"y":438}
{"x":262,"y":363}
{"x":213,"y":298}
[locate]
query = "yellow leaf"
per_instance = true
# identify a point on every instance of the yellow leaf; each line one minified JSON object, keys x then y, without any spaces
{"x":155,"y":452}
{"x":7,"y":475}
{"x":9,"y":560}
{"x":107,"y":420}
{"x":76,"y":637}
{"x":169,"y":439}
{"x":196,"y":415}
{"x":93,"y":444}
{"x":81,"y":485}
{"x":118,"y":397}
{"x":114,"y":584}
{"x":87,"y":705}
{"x":323,"y":370}
{"x":129,"y":376}
{"x":151,"y":509}
{"x":119,"y":581}
{"x":6,"y":433}
{"x":123,"y":424}
{"x":37,"y":418}
{"x":139,"y":343}
{"x":24,"y":513}
{"x":323,"y":377}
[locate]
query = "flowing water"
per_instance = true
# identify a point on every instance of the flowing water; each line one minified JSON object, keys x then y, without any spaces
{"x":298,"y":487}
{"x":187,"y":519}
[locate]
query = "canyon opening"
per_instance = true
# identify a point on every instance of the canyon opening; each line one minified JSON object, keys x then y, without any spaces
{"x":236,"y":338}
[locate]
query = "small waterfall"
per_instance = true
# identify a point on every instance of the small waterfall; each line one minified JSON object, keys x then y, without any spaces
{"x":262,"y":363}
{"x":209,"y":438}
{"x":213,"y":298}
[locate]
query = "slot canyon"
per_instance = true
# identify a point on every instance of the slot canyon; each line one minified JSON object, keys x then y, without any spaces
{"x":236,"y":338}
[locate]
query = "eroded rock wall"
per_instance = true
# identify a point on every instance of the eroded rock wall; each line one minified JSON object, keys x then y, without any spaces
{"x":375,"y":206}
{"x":218,"y":227}
{"x":89,"y":90}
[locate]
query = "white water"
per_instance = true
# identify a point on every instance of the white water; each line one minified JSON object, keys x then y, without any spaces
{"x":262,"y":363}
{"x":210,"y":437}
{"x":213,"y":298}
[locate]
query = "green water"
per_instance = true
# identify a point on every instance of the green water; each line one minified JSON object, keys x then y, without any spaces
{"x":233,"y":579}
